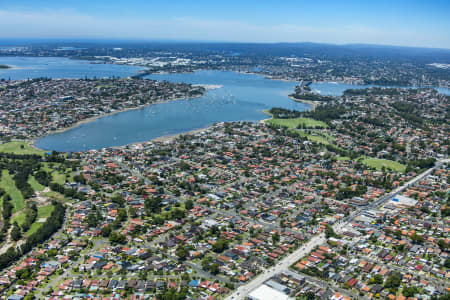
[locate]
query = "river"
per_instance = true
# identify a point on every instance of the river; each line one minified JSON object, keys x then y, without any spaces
{"x":59,"y":67}
{"x":242,"y":97}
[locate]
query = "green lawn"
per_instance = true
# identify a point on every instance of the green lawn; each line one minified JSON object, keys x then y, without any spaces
{"x":19,"y":218}
{"x":342,"y":158}
{"x":313,"y":138}
{"x":379,"y":163}
{"x":58,"y":177}
{"x":16,"y":147}
{"x":294,"y":123}
{"x":7,"y":184}
{"x":34,"y":184}
{"x":43,"y":212}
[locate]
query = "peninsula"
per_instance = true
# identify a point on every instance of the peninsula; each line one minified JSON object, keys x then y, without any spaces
{"x":33,"y":108}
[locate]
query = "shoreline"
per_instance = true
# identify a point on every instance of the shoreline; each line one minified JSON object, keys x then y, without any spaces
{"x":6,"y":67}
{"x":267,"y":113}
{"x":161,"y":138}
{"x":93,"y":118}
{"x":207,"y":88}
{"x":312,"y":103}
{"x":170,"y":137}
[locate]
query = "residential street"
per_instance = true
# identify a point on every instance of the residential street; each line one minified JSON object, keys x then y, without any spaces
{"x":285,"y":263}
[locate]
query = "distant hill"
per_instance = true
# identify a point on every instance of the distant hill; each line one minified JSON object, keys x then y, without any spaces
{"x":304,"y":49}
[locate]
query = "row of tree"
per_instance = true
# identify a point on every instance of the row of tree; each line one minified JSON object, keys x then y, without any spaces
{"x":68,"y":192}
{"x":7,"y":208}
{"x":30,"y":217}
{"x":21,"y":181}
{"x":49,"y":227}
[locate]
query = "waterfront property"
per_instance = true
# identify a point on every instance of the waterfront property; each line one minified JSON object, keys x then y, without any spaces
{"x":242,"y":97}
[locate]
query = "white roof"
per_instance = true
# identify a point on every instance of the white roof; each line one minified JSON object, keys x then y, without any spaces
{"x":403,"y":200}
{"x":265,"y":292}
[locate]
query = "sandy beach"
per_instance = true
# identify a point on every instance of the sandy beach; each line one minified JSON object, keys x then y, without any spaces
{"x":174,"y":136}
{"x":267,"y":113}
{"x":209,"y":87}
{"x":165,"y":138}
{"x":312,"y":103}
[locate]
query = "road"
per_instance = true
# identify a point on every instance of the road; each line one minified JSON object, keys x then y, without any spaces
{"x":68,"y":273}
{"x":322,"y":283}
{"x":285,"y":263}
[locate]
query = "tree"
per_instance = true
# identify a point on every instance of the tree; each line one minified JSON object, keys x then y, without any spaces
{"x":118,"y":199}
{"x":80,"y":178}
{"x":52,"y":252}
{"x":442,"y":244}
{"x":377,"y":279}
{"x":447,"y":263}
{"x":310,"y":296}
{"x":393,"y":281}
{"x":172,"y":294}
{"x":189,"y":204}
{"x":444,"y":297}
{"x":16,"y":234}
{"x":275,"y":238}
{"x":92,"y":220}
{"x":24,"y":274}
{"x":182,"y":252}
{"x":121,"y":215}
{"x":117,"y":238}
{"x":184,"y":166}
{"x":132,"y":212}
{"x":206,"y":262}
{"x":7,"y":207}
{"x":106,"y":231}
{"x":329,"y":232}
{"x":418,"y":239}
{"x":220,"y":245}
{"x":153,"y":204}
{"x":178,"y":213}
{"x":409,"y":291}
{"x":214,"y":269}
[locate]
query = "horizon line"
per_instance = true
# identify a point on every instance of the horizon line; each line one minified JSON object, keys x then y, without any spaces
{"x":181,"y":41}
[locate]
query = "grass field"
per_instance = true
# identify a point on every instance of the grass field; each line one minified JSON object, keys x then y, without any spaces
{"x":43,"y":212}
{"x":59,"y":178}
{"x":318,"y":138}
{"x":294,"y":123}
{"x":379,"y":163}
{"x":16,"y":147}
{"x":19,"y":218}
{"x":56,"y":175}
{"x":55,"y":195}
{"x":35,"y":185}
{"x":343,"y":158}
{"x":7,"y":184}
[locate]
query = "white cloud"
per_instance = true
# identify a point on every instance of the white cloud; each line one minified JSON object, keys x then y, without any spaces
{"x":69,"y":24}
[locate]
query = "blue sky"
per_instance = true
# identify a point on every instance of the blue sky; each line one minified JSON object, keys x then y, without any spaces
{"x":395,"y":22}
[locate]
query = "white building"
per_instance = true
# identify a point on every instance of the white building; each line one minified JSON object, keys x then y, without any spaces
{"x":265,"y":292}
